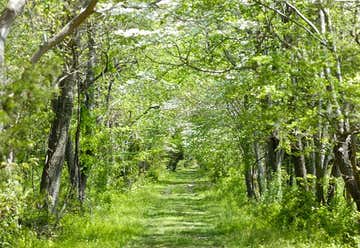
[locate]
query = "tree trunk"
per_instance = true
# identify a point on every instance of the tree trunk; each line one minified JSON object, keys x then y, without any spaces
{"x":274,"y":158}
{"x":271,"y":156}
{"x":320,"y":165}
{"x":59,"y":144}
{"x":344,"y":155}
{"x":249,"y":181}
{"x":299,"y":162}
{"x":342,"y":151}
{"x":260,"y":169}
{"x":335,"y":173}
{"x":72,"y":168}
{"x":58,"y":139}
{"x":86,"y":106}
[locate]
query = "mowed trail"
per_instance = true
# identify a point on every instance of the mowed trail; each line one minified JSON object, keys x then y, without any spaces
{"x":181,"y":215}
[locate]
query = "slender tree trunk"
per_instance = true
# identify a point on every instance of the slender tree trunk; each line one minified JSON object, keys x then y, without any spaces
{"x":274,"y":158}
{"x":72,"y":168}
{"x":343,"y":161}
{"x":321,"y":161}
{"x":353,"y":158}
{"x":300,"y":168}
{"x":271,"y":156}
{"x":86,"y":101}
{"x":249,"y":181}
{"x":343,"y":137}
{"x":290,"y":171}
{"x":335,"y":173}
{"x":58,"y":139}
{"x":260,"y":169}
{"x":299,"y":162}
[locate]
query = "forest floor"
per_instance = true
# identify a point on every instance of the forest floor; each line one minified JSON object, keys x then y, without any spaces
{"x":176,"y":211}
{"x":182,"y":215}
{"x":180,"y":210}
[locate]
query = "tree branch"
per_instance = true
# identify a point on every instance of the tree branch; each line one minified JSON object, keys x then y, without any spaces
{"x":143,"y":114}
{"x":65,"y":31}
{"x":303,"y":17}
{"x":320,"y":39}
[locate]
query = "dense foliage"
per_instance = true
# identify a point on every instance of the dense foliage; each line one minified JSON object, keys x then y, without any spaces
{"x":262,"y":95}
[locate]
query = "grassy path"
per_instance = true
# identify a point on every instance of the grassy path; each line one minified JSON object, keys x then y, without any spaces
{"x":180,"y":214}
{"x":181,"y":210}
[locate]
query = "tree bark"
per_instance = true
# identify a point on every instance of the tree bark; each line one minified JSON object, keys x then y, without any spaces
{"x":299,"y":162}
{"x":249,"y":181}
{"x":321,"y":157}
{"x":342,"y":151}
{"x":271,"y":156}
{"x":72,"y":168}
{"x":260,"y":169}
{"x":86,"y":105}
{"x":58,"y":139}
{"x":59,"y":144}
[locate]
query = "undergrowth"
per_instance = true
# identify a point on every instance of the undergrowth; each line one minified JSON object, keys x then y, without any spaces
{"x":295,"y":220}
{"x":110,"y":219}
{"x":114,"y":217}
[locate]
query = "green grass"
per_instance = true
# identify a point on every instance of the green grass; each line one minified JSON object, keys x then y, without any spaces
{"x":183,"y":210}
{"x":112,"y":223}
{"x":182,"y":214}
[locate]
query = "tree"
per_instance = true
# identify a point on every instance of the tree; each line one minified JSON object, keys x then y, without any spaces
{"x":7,"y":18}
{"x":62,"y":107}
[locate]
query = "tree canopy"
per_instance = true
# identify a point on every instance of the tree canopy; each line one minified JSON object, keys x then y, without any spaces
{"x":262,"y":97}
